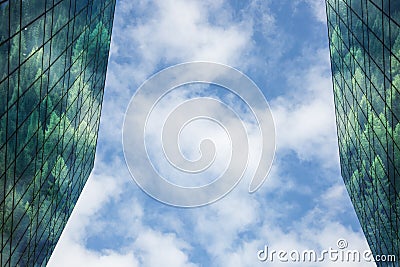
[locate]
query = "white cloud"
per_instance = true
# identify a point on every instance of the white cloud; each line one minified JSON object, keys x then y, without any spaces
{"x":178,"y":31}
{"x":72,"y":253}
{"x":316,"y":7}
{"x":157,"y":249}
{"x":181,"y":30}
{"x":304,"y":117}
{"x":319,"y":9}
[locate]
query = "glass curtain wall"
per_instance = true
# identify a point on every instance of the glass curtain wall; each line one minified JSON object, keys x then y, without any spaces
{"x":53,"y":62}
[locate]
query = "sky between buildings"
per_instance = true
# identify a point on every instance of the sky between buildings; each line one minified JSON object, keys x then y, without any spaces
{"x":303,"y":204}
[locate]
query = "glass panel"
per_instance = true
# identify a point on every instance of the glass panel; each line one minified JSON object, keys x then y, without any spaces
{"x":4,"y":9}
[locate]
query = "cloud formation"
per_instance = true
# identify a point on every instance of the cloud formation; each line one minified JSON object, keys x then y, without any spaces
{"x":115,"y":223}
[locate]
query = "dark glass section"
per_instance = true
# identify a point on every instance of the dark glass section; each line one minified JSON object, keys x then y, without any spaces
{"x":365,"y":58}
{"x":53,"y":62}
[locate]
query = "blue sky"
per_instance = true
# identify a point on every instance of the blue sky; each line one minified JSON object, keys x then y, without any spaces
{"x":303,"y":204}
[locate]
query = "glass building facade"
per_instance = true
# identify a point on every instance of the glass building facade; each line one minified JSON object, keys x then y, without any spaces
{"x":364,"y":40}
{"x":53,"y":62}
